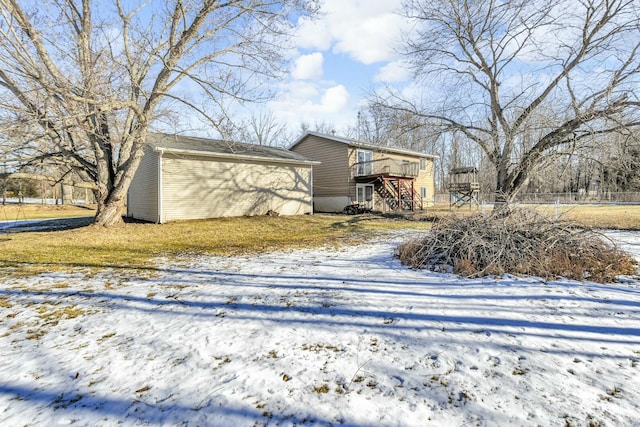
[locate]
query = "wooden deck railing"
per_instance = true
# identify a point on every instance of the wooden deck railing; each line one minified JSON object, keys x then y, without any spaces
{"x":387,"y":167}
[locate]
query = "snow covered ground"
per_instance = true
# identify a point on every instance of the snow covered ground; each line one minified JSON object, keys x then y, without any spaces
{"x":344,"y":336}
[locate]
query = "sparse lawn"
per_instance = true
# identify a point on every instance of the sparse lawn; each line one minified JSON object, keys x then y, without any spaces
{"x":15,"y":212}
{"x":612,"y":216}
{"x":624,"y":217}
{"x":136,"y":245}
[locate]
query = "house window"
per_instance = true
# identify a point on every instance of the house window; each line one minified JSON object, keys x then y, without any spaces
{"x":364,"y":159}
{"x":364,"y":195}
{"x":423,"y":192}
{"x":423,"y":164}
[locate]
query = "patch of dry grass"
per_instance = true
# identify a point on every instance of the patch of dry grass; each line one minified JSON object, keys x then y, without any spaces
{"x":48,"y":315}
{"x":621,"y":217}
{"x":136,"y":245}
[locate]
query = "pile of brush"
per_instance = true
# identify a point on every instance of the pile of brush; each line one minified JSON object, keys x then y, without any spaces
{"x":520,"y":242}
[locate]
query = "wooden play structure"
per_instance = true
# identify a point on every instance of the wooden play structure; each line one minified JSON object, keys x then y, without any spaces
{"x":464,"y":188}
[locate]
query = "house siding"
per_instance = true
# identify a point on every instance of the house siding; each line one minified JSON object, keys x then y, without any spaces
{"x":425,"y":177}
{"x":199,"y":187}
{"x":331,"y":178}
{"x":142,"y":198}
{"x":334,"y":183}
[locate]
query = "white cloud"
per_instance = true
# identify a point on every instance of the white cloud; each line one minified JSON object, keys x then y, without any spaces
{"x":371,"y":40}
{"x":334,"y":100}
{"x":301,"y":91}
{"x":311,"y":103}
{"x":308,"y":67}
{"x":366,"y":31}
{"x":340,"y":48}
{"x":393,"y":72}
{"x":313,"y":34}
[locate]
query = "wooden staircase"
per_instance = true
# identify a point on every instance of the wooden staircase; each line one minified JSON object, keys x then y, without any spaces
{"x":399,"y":194}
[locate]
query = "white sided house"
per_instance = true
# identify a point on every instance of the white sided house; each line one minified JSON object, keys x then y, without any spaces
{"x":183,"y":177}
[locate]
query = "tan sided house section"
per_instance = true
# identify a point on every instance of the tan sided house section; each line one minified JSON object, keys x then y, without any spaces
{"x":183,"y":177}
{"x":379,"y":178}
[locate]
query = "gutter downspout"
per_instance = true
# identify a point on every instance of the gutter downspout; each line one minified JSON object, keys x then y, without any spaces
{"x":160,"y":152}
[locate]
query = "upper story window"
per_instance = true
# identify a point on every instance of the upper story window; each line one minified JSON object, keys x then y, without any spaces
{"x":423,"y":164}
{"x":364,"y":159}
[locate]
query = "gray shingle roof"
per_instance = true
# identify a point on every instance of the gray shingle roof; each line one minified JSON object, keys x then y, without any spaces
{"x":220,"y":148}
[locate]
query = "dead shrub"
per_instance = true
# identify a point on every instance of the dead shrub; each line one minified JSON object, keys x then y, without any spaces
{"x":519,"y":242}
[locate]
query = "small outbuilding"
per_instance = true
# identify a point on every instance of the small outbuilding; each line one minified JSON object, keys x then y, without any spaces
{"x":184,"y":177}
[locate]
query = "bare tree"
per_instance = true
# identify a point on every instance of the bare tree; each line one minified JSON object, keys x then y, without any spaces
{"x":394,"y":128}
{"x":371,"y":125}
{"x":523,"y":79}
{"x":322,"y":126}
{"x":267,"y":130}
{"x":380,"y":125}
{"x":619,"y":165}
{"x":263,"y":128}
{"x":90,"y":78}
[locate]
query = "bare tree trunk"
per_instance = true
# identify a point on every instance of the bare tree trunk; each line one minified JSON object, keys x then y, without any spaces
{"x":67,"y":194}
{"x":111,"y":195}
{"x":109,"y":214}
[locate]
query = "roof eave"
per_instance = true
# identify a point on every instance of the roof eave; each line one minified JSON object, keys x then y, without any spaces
{"x":393,"y":150}
{"x":227,"y":156}
{"x":357,"y":144}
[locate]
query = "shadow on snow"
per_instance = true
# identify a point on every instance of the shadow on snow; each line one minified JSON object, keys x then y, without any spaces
{"x":318,"y":307}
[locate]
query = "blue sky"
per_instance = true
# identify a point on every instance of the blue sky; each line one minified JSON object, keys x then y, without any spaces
{"x":337,"y":59}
